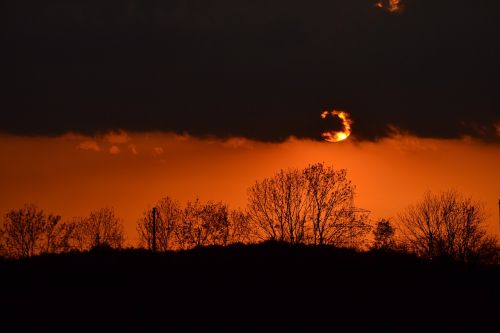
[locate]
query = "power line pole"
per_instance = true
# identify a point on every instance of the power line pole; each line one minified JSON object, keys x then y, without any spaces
{"x":154,"y":230}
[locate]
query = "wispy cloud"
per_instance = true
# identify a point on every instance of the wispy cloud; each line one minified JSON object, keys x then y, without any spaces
{"x":111,"y":142}
{"x":114,"y":150}
{"x":133,"y":149}
{"x":89,"y":145}
{"x":158,"y":151}
{"x":117,"y":137}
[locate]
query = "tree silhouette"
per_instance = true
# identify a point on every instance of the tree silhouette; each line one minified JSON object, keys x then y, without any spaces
{"x":241,"y":229}
{"x":329,"y":193}
{"x":313,"y":205}
{"x":59,"y":236}
{"x":22,"y":231}
{"x":3,"y":250}
{"x":279,"y":206}
{"x":447,"y":224}
{"x":196,"y":224}
{"x":101,"y":228}
{"x":167,"y":221}
{"x":29,"y":231}
{"x":384,"y":235}
{"x":203,"y":224}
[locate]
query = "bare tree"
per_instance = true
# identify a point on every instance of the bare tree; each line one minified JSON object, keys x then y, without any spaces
{"x":167,"y":221}
{"x":101,"y":228}
{"x":203,"y":224}
{"x":63,"y":238}
{"x":29,"y":231}
{"x":279,"y":206}
{"x":52,"y":231}
{"x":446,"y":224}
{"x":23,"y":230}
{"x":314,"y":205}
{"x":59,"y":236}
{"x":330,"y":194}
{"x":384,"y":235}
{"x":241,"y":229}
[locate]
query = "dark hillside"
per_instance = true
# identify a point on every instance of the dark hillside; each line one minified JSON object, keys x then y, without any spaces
{"x":266,"y":287}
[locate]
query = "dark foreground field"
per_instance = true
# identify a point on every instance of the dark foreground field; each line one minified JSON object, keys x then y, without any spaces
{"x":267,"y":287}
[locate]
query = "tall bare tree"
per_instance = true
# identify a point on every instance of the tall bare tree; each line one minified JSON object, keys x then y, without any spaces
{"x":167,"y":220}
{"x":330,"y":195}
{"x":313,"y":205}
{"x":101,"y":228}
{"x":279,"y":206}
{"x":446,"y":224}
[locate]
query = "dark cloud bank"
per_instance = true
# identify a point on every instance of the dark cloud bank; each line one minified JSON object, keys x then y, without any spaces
{"x":254,"y":68}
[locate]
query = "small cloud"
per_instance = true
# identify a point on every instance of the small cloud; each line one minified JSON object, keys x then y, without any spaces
{"x":484,"y":131}
{"x":133,"y":149}
{"x":158,"y":151}
{"x":182,"y":137}
{"x":114,"y":150}
{"x":395,"y":131}
{"x":405,"y":141}
{"x":89,"y":145}
{"x":117,"y":138}
{"x":237,"y":142}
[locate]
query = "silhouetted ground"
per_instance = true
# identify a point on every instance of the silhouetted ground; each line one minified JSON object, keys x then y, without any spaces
{"x":267,"y":287}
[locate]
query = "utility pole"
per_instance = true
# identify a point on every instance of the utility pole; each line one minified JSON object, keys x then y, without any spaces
{"x":154,"y":230}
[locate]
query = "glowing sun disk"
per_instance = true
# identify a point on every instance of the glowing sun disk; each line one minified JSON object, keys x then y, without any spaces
{"x":336,"y":136}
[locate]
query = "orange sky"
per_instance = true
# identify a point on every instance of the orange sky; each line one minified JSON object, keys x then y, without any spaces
{"x":73,"y":174}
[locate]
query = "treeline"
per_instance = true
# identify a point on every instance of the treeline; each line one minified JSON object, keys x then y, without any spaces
{"x":310,"y":206}
{"x":29,"y":231}
{"x":314,"y":205}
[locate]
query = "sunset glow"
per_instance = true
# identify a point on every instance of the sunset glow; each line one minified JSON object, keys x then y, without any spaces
{"x":212,"y":166}
{"x":76,"y":178}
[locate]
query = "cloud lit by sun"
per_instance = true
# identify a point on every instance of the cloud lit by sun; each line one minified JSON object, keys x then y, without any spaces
{"x":336,"y":136}
{"x":392,"y":6}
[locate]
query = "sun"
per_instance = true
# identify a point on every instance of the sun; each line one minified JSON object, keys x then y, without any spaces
{"x":337,"y":136}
